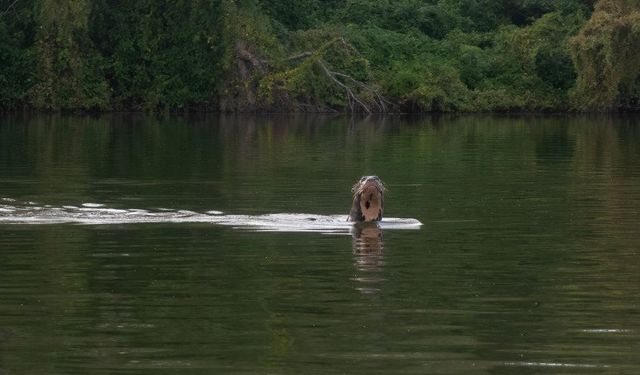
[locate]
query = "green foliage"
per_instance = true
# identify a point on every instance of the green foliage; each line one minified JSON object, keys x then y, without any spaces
{"x":426,"y":17}
{"x":250,"y":48}
{"x":531,"y":64}
{"x":423,"y":87}
{"x":511,"y":68}
{"x":17,"y":64}
{"x":241,"y":55}
{"x":250,"y":26}
{"x":333,"y":76}
{"x":69,"y":70}
{"x":294,"y":15}
{"x":555,"y":68}
{"x":160,"y":53}
{"x":607,"y":56}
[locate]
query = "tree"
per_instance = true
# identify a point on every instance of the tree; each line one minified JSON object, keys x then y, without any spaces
{"x":160,"y":54}
{"x":16,"y":62}
{"x":69,"y":69}
{"x":606,"y":54}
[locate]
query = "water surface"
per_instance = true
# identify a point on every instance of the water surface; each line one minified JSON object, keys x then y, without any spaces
{"x":527,"y":260}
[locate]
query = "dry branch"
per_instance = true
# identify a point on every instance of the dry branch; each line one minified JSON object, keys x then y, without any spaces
{"x":353,"y":98}
{"x":299,"y":55}
{"x":380,"y":99}
{"x":359,"y":96}
{"x":9,"y":7}
{"x":334,"y":75}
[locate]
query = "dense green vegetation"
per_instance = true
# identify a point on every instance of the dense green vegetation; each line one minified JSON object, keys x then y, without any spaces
{"x":320,"y":55}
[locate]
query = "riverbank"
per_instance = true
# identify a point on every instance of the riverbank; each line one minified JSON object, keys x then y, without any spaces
{"x":305,"y":56}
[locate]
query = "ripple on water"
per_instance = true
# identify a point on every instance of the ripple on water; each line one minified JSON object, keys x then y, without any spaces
{"x":556,"y":364}
{"x":99,"y":214}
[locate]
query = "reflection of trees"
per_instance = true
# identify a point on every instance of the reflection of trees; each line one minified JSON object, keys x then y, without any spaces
{"x":606,"y":181}
{"x":111,"y":158}
{"x":567,"y":263}
{"x":606,"y":186}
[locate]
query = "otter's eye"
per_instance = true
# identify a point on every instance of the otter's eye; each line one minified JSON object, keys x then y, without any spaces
{"x":362,"y":179}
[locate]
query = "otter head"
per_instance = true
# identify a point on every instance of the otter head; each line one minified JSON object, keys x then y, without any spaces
{"x":368,"y":199}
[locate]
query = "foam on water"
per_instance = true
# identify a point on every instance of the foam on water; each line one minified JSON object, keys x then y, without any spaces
{"x":92,"y":205}
{"x":98,"y":214}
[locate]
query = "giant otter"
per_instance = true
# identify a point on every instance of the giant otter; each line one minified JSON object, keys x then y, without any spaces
{"x":368,"y":199}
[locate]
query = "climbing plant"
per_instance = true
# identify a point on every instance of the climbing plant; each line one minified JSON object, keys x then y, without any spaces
{"x":606,"y":54}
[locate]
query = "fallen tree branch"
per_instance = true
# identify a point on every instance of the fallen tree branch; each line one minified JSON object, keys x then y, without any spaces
{"x":352,"y":97}
{"x":381,"y":100}
{"x":359,"y":96}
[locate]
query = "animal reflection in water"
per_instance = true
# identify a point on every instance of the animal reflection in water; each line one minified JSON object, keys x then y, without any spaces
{"x":368,"y":256}
{"x":366,"y":211}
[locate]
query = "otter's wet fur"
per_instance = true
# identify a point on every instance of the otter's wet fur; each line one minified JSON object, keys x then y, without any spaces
{"x":368,"y":199}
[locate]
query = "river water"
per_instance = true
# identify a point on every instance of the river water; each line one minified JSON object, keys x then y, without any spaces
{"x":200,"y":245}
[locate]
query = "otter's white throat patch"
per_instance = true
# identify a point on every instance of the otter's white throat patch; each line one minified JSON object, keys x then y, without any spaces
{"x":371,"y":204}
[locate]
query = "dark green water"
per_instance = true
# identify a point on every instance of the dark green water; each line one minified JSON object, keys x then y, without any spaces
{"x":528,"y":260}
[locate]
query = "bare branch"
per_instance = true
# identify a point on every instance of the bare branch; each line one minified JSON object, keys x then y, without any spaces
{"x":381,"y":100}
{"x":350,"y":93}
{"x":9,"y":7}
{"x":299,"y":55}
{"x":358,"y":95}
